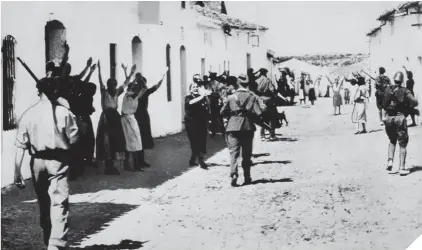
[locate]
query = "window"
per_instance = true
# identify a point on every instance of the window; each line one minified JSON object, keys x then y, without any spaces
{"x":137,"y":53}
{"x":202,"y":66}
{"x":168,"y":63}
{"x":113,"y":60}
{"x":248,"y":61}
{"x":8,"y":53}
{"x":183,"y":5}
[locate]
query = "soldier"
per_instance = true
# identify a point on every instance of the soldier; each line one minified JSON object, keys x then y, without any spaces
{"x":241,"y":108}
{"x":48,"y":131}
{"x":398,"y":102}
{"x":267,"y":92}
{"x":214,"y":103}
{"x":381,"y":83}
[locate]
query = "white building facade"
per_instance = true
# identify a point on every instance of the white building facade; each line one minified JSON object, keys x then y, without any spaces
{"x":151,"y":35}
{"x":397,"y":42}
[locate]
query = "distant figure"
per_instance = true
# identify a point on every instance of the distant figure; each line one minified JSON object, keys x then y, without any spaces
{"x":382,"y":82}
{"x":337,"y":101}
{"x":359,"y":110}
{"x":410,"y":83}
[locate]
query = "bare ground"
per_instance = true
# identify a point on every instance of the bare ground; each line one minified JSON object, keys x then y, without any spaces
{"x":318,"y":187}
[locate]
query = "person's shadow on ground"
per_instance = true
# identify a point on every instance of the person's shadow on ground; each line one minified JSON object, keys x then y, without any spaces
{"x":124,"y":244}
{"x":415,"y":169}
{"x":265,"y":181}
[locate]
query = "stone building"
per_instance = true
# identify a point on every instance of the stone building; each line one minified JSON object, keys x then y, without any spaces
{"x":189,"y":37}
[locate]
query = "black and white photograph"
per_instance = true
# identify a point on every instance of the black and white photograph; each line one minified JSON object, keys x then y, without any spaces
{"x":208,"y":125}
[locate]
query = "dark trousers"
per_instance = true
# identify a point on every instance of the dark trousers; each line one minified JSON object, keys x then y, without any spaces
{"x":197,"y":134}
{"x":396,"y":129}
{"x":271,"y":117}
{"x":240,"y":144}
{"x":51,"y":187}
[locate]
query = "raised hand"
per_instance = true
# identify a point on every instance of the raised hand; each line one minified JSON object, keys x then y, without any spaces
{"x":133,"y":69}
{"x":93,"y":67}
{"x":98,"y":63}
{"x":89,"y":62}
{"x":124,"y":67}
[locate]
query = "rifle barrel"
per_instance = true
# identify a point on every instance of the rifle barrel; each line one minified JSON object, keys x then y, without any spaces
{"x":28,"y":69}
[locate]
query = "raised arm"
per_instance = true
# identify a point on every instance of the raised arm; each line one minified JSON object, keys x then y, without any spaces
{"x":88,"y":65}
{"x":124,"y":69}
{"x":141,"y":93}
{"x":92,"y":69}
{"x":329,"y":80}
{"x":65,"y":59}
{"x":121,"y":89}
{"x":100,"y":79}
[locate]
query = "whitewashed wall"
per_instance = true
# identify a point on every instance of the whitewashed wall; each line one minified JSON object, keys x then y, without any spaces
{"x":91,"y":27}
{"x":398,"y":44}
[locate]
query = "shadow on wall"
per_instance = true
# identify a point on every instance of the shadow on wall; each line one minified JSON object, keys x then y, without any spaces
{"x":20,"y":224}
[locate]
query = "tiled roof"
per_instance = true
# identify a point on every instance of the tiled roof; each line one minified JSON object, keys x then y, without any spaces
{"x":233,"y":22}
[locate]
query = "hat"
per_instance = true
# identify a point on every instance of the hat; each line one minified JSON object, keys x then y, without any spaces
{"x":398,"y":77}
{"x":212,"y":73}
{"x":243,"y":79}
{"x":263,"y":71}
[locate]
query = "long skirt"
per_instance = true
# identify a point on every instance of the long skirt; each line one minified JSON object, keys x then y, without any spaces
{"x":110,"y":136}
{"x":359,"y":113}
{"x":86,"y":144}
{"x":312,"y":96}
{"x":197,"y":134}
{"x":337,"y":101}
{"x":132,"y":133}
{"x":144,"y":123}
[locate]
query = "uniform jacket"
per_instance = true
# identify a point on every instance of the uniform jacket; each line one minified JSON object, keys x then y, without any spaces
{"x":241,"y":108}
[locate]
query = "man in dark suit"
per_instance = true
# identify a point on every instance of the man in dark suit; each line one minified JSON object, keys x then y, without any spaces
{"x":241,"y":108}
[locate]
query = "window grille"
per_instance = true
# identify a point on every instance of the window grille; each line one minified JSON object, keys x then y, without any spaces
{"x":9,"y":63}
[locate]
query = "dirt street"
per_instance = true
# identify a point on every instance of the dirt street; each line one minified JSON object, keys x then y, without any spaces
{"x":318,"y":187}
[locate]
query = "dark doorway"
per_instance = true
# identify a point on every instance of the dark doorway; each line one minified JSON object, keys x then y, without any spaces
{"x":113,"y":62}
{"x":55,"y":37}
{"x":168,"y":63}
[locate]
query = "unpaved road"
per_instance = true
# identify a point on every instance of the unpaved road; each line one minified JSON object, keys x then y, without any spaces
{"x":318,"y":187}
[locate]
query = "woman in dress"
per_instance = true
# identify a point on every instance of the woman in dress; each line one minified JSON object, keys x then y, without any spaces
{"x":142,"y":115}
{"x":110,"y":136}
{"x":131,"y":128}
{"x":359,"y":110}
{"x":337,"y":86}
{"x":196,"y":121}
{"x":311,"y":93}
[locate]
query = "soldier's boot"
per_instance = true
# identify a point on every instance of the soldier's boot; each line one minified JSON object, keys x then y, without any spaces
{"x":202,"y":163}
{"x":403,"y":171}
{"x":233,"y":177}
{"x":192,"y":160}
{"x":247,"y":175}
{"x":391,"y":150}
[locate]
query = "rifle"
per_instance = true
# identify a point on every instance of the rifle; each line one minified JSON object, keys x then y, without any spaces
{"x":28,"y":69}
{"x":368,"y":75}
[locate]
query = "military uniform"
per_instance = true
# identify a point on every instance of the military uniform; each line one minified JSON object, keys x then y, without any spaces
{"x":241,"y":108}
{"x":267,"y":92}
{"x":397,"y":103}
{"x":382,"y":82}
{"x":47,"y":131}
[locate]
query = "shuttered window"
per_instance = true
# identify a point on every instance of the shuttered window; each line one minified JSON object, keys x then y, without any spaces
{"x":9,"y":62}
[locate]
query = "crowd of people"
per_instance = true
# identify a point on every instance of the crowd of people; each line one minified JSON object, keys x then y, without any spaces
{"x":58,"y":134}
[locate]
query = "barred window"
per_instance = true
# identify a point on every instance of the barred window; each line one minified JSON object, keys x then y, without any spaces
{"x":8,"y":53}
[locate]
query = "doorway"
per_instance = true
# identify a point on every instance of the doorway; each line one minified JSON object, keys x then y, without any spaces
{"x":183,"y":80}
{"x":55,"y":37}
